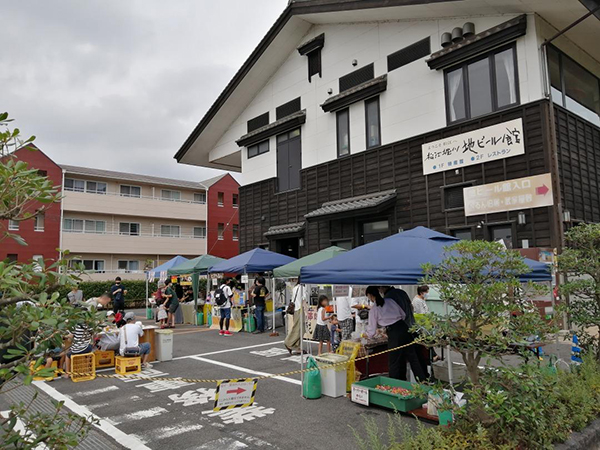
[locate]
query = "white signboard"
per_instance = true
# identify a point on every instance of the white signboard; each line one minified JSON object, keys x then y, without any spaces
{"x":360,"y":395}
{"x":245,"y":279}
{"x":510,"y":195}
{"x":475,"y":147}
{"x":214,"y":281}
{"x":235,"y":394}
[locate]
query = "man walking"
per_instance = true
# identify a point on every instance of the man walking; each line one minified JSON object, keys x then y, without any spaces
{"x":259,"y":294}
{"x":118,"y":292}
{"x":223,"y":297}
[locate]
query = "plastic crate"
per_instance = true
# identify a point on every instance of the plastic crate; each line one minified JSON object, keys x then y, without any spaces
{"x":127,"y":366}
{"x":387,"y":399}
{"x":104,"y":358}
{"x":83,"y":367}
{"x":349,"y":349}
{"x":36,"y":378}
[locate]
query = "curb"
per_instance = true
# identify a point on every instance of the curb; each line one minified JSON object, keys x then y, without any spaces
{"x":588,"y":438}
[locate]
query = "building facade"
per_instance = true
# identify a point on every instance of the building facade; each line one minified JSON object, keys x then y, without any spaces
{"x":352,"y":121}
{"x":223,"y":233}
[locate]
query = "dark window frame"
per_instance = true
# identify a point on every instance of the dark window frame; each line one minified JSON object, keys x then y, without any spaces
{"x":258,"y":151}
{"x":492,"y":79}
{"x":507,"y":223}
{"x":367,"y":102}
{"x":454,"y":229}
{"x":462,"y":184}
{"x":288,"y":139}
{"x":315,"y":64}
{"x":337,"y":131}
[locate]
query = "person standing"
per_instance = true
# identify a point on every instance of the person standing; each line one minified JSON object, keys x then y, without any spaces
{"x":419,"y":302}
{"x":118,"y":292}
{"x":344,"y":315}
{"x":223,"y":297}
{"x":292,"y":340}
{"x":259,"y":294}
{"x":173,"y":299}
{"x":75,"y":296}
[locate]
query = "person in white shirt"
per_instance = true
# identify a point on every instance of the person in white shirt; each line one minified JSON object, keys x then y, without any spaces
{"x":344,"y":315}
{"x":225,"y":308}
{"x":129,"y":337}
{"x":419,"y":303}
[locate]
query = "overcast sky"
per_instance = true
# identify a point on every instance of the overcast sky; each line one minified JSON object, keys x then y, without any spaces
{"x":119,"y":85}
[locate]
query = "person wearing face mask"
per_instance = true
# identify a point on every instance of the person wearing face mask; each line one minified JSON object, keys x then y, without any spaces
{"x":419,"y":302}
{"x":118,"y":292}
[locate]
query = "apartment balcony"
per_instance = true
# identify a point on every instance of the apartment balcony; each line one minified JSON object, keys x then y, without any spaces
{"x":144,"y":244}
{"x":116,"y":204}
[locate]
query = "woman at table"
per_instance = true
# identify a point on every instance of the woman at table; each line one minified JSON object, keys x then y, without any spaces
{"x":173,"y":301}
{"x":385,"y":312}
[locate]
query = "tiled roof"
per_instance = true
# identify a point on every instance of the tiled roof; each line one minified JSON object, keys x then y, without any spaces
{"x":277,"y":123}
{"x":353,"y":203}
{"x":376,"y":85}
{"x":285,"y":229}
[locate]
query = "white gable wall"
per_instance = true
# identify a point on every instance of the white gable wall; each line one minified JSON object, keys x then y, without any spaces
{"x":412,"y":104}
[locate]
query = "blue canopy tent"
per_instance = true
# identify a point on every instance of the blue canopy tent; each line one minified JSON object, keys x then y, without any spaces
{"x":158,"y":272}
{"x":253,"y":261}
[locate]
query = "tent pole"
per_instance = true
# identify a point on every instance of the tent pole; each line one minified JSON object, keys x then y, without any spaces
{"x":146,"y":293}
{"x":302,"y":339}
{"x":247,"y":298}
{"x":448,"y":349}
{"x":273,"y":297}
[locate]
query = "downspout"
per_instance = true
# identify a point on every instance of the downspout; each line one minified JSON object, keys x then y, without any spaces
{"x":62,"y":209}
{"x":206,"y":221}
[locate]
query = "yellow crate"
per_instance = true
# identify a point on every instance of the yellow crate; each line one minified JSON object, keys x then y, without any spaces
{"x":127,"y":366}
{"x":83,"y":367}
{"x":349,"y":349}
{"x":35,"y":378}
{"x":104,"y":358}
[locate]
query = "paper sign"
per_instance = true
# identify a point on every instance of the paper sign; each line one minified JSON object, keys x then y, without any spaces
{"x":475,"y":147}
{"x":235,"y":393}
{"x":341,"y":291}
{"x":360,"y":395}
{"x":214,"y":281}
{"x":510,"y":195}
{"x":245,"y":279}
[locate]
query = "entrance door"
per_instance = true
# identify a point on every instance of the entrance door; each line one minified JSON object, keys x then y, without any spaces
{"x":289,"y":247}
{"x":374,"y":231}
{"x":289,"y":160}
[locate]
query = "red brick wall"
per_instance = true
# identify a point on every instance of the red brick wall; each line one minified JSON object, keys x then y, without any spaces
{"x":44,"y":242}
{"x":226,"y":214}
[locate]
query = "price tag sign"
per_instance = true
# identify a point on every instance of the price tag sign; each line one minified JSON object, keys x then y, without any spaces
{"x":214,"y":281}
{"x":360,"y":395}
{"x":245,"y":279}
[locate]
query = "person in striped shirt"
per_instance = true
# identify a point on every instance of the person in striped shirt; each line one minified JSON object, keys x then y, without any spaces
{"x":82,"y":343}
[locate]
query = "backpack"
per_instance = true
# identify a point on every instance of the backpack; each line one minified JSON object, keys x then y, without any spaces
{"x":220,"y":297}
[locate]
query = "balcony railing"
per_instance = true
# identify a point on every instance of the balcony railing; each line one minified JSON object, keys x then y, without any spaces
{"x":152,"y":235}
{"x":149,"y":197}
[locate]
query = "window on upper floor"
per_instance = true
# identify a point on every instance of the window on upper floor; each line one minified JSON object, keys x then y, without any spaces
{"x":129,"y":228}
{"x":200,"y":197}
{"x":312,"y":50}
{"x":454,"y":197}
{"x":39,"y":221}
{"x":220,"y":231}
{"x":481,"y":86}
{"x":169,"y":195}
{"x":236,"y":232}
{"x":128,"y":266}
{"x":84,"y":226}
{"x":314,"y":64}
{"x":13,"y":225}
{"x":130,"y":191}
{"x":170,"y":230}
{"x":574,"y":87}
{"x":235,"y":200}
{"x":74,"y":185}
{"x":91,"y":187}
{"x":200,"y":232}
{"x":289,"y":160}
{"x":342,"y":119}
{"x":258,"y":149}
{"x":42,"y":173}
{"x":373,"y":122}
{"x":95,"y":187}
{"x":90,"y":265}
{"x":220,"y":199}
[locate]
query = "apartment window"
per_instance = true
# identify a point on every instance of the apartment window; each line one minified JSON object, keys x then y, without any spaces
{"x":373,"y":122}
{"x":130,"y":191}
{"x":73,"y":225}
{"x":343,"y":132}
{"x":220,"y":199}
{"x":39,"y":221}
{"x":200,"y":232}
{"x":12,"y":257}
{"x":89,"y":265}
{"x":573,"y":87}
{"x":129,"y":228}
{"x":200,"y":197}
{"x":236,"y":231}
{"x":464,"y":234}
{"x":170,"y":230}
{"x":95,"y":187}
{"x":258,"y":149}
{"x":235,"y":199}
{"x":74,"y":185}
{"x":13,"y":225}
{"x":84,"y":226}
{"x":453,"y":196}
{"x":169,"y":195}
{"x":482,"y":86}
{"x":95,"y":226}
{"x":128,"y":266}
{"x":221,"y":230}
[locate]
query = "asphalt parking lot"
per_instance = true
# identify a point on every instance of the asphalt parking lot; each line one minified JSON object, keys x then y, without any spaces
{"x":142,"y":414}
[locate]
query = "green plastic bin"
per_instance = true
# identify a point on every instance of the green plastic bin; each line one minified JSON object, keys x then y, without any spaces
{"x":249,"y":325}
{"x":149,"y":314}
{"x":387,"y":399}
{"x":200,"y":318}
{"x":209,"y":320}
{"x":445,"y":417}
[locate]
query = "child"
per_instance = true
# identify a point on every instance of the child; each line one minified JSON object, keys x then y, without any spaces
{"x":162,"y":315}
{"x":335,"y":332}
{"x":322,"y":333}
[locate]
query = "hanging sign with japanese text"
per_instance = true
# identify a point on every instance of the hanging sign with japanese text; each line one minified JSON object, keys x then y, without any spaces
{"x":510,"y":195}
{"x":475,"y":147}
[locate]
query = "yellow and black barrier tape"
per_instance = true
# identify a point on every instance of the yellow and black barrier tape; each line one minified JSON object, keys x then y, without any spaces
{"x":261,"y":377}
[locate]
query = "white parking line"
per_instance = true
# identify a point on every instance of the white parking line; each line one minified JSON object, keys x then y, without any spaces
{"x":245,"y":370}
{"x":95,"y":391}
{"x":126,"y":440}
{"x":228,"y":350}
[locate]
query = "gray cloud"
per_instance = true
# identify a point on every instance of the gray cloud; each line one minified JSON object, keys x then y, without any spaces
{"x":120,"y":84}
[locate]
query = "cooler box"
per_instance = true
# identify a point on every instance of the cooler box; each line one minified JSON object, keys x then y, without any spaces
{"x":333,"y":378}
{"x":164,"y":345}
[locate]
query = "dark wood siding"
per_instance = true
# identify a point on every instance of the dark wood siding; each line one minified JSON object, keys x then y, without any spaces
{"x":419,"y":199}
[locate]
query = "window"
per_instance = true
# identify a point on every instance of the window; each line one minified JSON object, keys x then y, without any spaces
{"x":453,"y":196}
{"x":235,"y":199}
{"x":374,"y":231}
{"x":289,"y":160}
{"x":258,"y":122}
{"x":503,"y":233}
{"x":95,"y":226}
{"x":95,"y":187}
{"x":258,"y":149}
{"x":38,"y":261}
{"x":312,"y":49}
{"x":480,"y":87}
{"x":42,"y":173}
{"x":357,"y":77}
{"x":314,"y":64}
{"x":130,"y":191}
{"x":343,"y":132}
{"x":89,"y":265}
{"x":39,"y":222}
{"x":200,"y":232}
{"x":221,"y":230}
{"x":200,"y":197}
{"x":464,"y":234}
{"x":573,"y":87}
{"x":84,"y":226}
{"x":13,"y":225}
{"x":220,"y":198}
{"x":409,"y":54}
{"x":73,"y":225}
{"x":74,"y":185}
{"x":128,"y":266}
{"x":168,"y":195}
{"x":236,"y":230}
{"x":373,"y":122}
{"x":129,"y":228}
{"x":12,"y":257}
{"x":170,"y":230}
{"x":287,"y":108}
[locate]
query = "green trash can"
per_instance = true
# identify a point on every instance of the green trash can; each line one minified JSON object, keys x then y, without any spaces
{"x":149,"y":314}
{"x":200,"y":318}
{"x":249,"y":325}
{"x":209,"y":320}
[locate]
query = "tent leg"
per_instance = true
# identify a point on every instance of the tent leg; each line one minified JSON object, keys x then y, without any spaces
{"x":247,"y":298}
{"x":273,"y":296}
{"x":146,"y":294}
{"x":302,"y":341}
{"x":448,"y":350}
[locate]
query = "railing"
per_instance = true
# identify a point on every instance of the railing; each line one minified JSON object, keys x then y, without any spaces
{"x":152,"y":235}
{"x":117,"y":194}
